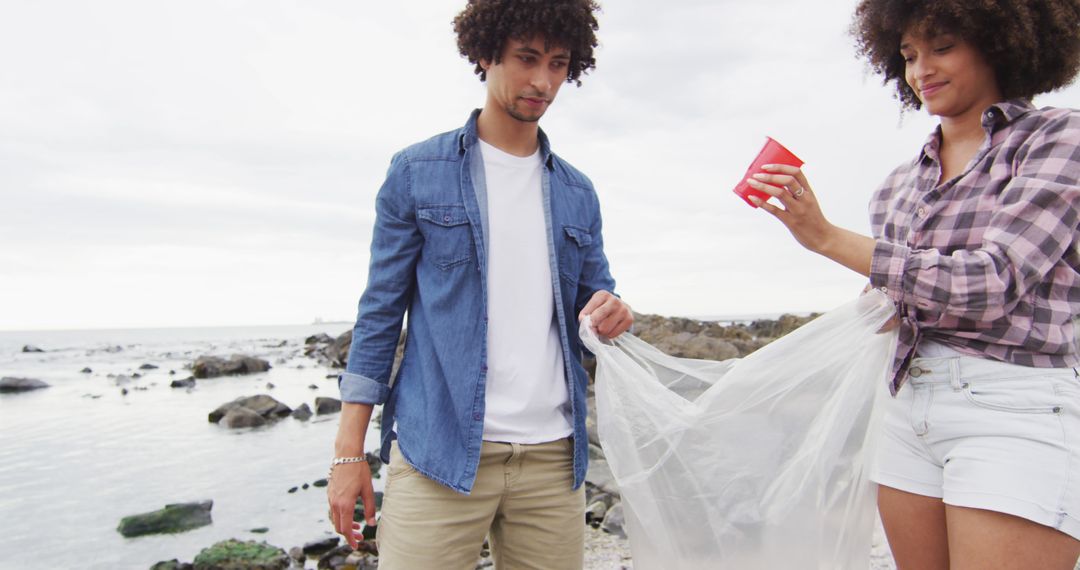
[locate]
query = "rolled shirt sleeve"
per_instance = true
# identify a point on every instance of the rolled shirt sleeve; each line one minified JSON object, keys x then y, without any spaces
{"x":395,"y":246}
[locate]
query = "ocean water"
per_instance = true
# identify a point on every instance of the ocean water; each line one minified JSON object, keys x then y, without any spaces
{"x":78,"y":456}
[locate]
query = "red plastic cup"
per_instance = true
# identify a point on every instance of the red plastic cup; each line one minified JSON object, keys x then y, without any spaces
{"x":772,"y":153}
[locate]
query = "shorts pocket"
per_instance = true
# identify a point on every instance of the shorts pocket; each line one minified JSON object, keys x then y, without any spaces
{"x":1021,"y":396}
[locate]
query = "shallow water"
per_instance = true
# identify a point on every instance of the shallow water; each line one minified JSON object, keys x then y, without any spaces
{"x":77,"y":457}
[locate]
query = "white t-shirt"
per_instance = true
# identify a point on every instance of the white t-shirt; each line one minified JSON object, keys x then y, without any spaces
{"x":527,"y":399}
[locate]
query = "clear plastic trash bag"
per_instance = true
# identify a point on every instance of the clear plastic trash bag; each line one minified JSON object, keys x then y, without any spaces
{"x":759,"y":462}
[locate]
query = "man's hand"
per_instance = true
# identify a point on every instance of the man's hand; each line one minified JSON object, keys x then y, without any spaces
{"x":349,"y":481}
{"x":610,"y":315}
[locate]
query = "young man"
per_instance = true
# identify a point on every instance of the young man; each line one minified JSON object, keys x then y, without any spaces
{"x":492,"y":246}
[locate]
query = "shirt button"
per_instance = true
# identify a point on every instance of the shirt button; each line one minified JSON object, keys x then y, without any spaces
{"x":915,"y":372}
{"x":990,"y":114}
{"x":478,"y":416}
{"x":446,"y":219}
{"x":921,"y":212}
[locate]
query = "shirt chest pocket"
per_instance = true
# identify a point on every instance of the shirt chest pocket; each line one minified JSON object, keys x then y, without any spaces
{"x":576,"y":242}
{"x":448,"y":241}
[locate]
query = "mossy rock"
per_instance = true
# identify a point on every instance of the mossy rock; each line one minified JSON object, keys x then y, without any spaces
{"x":173,"y":518}
{"x":237,"y":555}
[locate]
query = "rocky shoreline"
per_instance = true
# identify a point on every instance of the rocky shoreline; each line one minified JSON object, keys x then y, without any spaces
{"x":257,"y":410}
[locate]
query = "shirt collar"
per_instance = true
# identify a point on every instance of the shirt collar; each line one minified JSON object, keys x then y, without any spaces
{"x":996,"y":115}
{"x":469,"y":137}
{"x":1007,"y":111}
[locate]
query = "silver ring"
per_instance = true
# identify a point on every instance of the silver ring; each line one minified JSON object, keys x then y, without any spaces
{"x":799,"y":192}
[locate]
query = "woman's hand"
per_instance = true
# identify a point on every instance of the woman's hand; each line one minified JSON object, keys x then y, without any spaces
{"x":802,"y":216}
{"x":800,"y":213}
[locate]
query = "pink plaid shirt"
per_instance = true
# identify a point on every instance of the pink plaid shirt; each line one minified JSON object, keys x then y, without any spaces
{"x":987,"y":263}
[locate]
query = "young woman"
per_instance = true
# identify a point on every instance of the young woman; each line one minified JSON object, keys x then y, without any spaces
{"x":976,"y":241}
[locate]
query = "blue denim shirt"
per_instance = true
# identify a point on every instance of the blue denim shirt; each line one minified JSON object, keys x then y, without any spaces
{"x":429,"y":261}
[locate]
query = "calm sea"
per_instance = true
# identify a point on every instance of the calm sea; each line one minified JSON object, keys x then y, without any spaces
{"x":77,"y":457}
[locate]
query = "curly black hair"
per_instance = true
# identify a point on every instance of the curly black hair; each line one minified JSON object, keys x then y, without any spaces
{"x":1033,"y":45}
{"x":484,"y":26}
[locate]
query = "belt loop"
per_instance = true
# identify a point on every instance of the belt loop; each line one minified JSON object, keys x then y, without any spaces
{"x":954,"y":374}
{"x":516,"y":451}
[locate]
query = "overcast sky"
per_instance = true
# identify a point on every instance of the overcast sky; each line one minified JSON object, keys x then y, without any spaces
{"x":215,"y":162}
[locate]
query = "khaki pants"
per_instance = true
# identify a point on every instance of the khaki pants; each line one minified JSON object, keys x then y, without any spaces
{"x":522,"y":499}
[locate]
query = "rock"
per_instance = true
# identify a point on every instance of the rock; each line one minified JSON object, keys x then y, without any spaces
{"x":214,"y":366}
{"x":87,"y":370}
{"x":305,"y":486}
{"x":374,"y":463}
{"x":320,"y":483}
{"x":236,"y":555}
{"x":241,"y":417}
{"x":321,"y":338}
{"x":148,"y":366}
{"x":10,"y":384}
{"x":178,"y":517}
{"x":173,"y":564}
{"x":260,"y":530}
{"x":327,"y":406}
{"x":312,"y":387}
{"x":361,"y":560}
{"x":688,"y":338}
{"x":294,"y":489}
{"x":358,"y":510}
{"x":31,"y":348}
{"x":262,"y":404}
{"x":336,"y":355}
{"x":614,"y":521}
{"x":123,"y":391}
{"x":780,"y":327}
{"x":188,"y":382}
{"x":270,"y":386}
{"x":297,"y":554}
{"x":335,"y":558}
{"x":339,"y":351}
{"x":594,"y":513}
{"x":592,"y":427}
{"x":303,"y":413}
{"x":319,"y":547}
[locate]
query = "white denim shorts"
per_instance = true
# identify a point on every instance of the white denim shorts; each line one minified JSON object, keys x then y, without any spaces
{"x":987,"y":435}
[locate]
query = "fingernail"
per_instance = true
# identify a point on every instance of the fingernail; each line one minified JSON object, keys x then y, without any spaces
{"x":768,"y":166}
{"x":761,"y":176}
{"x":755,"y":200}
